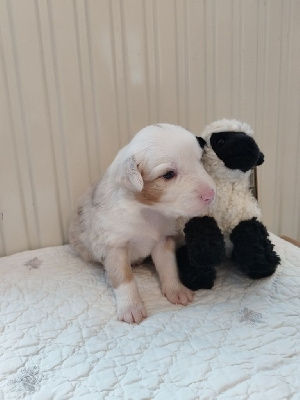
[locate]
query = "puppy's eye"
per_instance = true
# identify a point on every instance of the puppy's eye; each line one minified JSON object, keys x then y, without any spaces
{"x":169,"y":175}
{"x":220,"y":142}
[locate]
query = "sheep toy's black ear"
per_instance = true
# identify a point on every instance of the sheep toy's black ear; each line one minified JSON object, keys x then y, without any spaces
{"x":201,"y":141}
{"x":261,"y":159}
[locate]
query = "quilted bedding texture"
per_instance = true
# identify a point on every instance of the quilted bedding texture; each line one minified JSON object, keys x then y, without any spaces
{"x":60,"y":339}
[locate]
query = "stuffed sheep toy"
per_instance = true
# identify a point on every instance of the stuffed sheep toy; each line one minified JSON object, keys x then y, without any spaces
{"x":232,"y":226}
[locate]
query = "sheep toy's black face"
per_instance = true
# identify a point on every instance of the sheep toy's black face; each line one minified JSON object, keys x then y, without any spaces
{"x":237,"y":150}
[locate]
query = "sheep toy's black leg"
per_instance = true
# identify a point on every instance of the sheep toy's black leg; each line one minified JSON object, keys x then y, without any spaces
{"x":205,"y":248}
{"x":252,"y":249}
{"x":194,"y":277}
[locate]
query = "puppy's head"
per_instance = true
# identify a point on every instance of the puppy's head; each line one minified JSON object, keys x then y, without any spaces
{"x":161,"y":168}
{"x":230,"y":148}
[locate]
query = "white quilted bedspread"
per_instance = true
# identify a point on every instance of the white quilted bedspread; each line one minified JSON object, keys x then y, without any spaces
{"x":60,"y":339}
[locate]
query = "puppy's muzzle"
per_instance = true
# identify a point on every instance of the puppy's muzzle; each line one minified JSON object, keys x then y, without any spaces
{"x":208,"y":196}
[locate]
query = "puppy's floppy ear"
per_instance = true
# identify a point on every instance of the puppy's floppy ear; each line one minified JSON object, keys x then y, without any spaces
{"x":130,"y":176}
{"x":261,"y":158}
{"x":201,"y":141}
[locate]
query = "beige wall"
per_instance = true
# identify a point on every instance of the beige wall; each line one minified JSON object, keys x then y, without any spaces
{"x":79,"y":78}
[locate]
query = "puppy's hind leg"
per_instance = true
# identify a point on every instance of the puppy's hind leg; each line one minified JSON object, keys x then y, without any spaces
{"x":130,"y":307}
{"x":163,"y":256}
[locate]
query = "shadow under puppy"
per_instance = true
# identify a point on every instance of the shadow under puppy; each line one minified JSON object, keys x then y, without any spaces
{"x":232,"y":226}
{"x":131,"y":213}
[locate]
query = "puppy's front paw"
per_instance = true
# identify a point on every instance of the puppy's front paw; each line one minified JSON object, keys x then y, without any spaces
{"x":178,"y":294}
{"x":132,"y":313}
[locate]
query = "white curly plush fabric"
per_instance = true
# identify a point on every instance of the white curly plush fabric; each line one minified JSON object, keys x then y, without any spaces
{"x":229,"y":125}
{"x":60,"y":339}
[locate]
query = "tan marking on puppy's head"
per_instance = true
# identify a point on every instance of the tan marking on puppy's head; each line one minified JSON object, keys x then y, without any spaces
{"x":152,"y":192}
{"x":153,"y":188}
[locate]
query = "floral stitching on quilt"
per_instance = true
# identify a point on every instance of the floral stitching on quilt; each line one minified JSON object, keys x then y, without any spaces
{"x":26,"y":379}
{"x":34,"y":263}
{"x":250,"y":317}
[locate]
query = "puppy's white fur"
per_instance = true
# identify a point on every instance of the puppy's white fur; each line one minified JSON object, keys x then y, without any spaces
{"x":131,"y":212}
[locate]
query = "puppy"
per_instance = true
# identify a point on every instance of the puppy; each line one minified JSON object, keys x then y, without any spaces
{"x":131,"y":213}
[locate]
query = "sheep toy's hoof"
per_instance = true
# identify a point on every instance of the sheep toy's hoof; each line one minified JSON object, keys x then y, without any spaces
{"x":193,"y":277}
{"x":261,"y":274}
{"x":252,"y":249}
{"x":205,"y":242}
{"x":203,"y":280}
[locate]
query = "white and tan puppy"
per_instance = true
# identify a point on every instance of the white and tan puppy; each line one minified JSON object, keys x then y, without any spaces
{"x":131,"y":212}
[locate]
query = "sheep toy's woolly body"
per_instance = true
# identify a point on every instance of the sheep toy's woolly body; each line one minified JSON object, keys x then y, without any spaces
{"x":232,"y":226}
{"x":234,"y":202}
